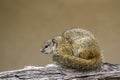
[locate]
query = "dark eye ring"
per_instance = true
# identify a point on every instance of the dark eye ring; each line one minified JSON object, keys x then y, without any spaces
{"x":46,"y":46}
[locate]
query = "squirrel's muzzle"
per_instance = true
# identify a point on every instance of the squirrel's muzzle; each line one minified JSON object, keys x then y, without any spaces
{"x":41,"y":50}
{"x":45,"y":51}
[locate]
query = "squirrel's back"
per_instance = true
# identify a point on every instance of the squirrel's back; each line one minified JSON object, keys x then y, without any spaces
{"x":82,"y":41}
{"x":76,"y":34}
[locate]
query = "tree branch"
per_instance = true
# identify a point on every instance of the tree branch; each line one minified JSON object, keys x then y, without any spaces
{"x":54,"y":72}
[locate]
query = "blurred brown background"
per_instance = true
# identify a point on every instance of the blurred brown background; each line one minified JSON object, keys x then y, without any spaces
{"x":26,"y":24}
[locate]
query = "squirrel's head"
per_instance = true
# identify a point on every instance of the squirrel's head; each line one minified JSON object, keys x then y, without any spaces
{"x":50,"y":45}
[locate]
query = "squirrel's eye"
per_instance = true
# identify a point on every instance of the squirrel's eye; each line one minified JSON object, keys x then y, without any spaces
{"x":46,"y":46}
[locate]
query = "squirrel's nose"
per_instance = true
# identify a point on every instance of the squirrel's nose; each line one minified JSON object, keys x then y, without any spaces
{"x":41,"y":50}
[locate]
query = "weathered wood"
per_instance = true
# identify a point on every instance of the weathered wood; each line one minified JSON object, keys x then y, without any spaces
{"x":107,"y":72}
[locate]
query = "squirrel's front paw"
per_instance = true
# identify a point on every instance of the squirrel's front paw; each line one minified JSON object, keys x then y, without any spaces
{"x":57,"y":57}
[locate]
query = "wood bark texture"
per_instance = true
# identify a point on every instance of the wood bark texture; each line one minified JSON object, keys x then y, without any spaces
{"x":107,"y":72}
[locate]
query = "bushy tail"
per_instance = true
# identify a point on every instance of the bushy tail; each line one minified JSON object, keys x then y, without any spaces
{"x":78,"y":63}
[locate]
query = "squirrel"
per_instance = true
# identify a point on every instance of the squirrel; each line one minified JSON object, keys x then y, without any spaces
{"x":75,"y":48}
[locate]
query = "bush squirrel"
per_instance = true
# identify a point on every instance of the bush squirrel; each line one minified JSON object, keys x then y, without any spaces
{"x":76,"y":48}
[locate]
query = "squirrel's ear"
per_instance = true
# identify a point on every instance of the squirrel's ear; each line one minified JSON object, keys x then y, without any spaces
{"x":54,"y":41}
